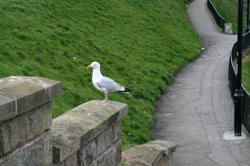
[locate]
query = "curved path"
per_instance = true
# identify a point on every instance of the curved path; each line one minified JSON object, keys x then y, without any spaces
{"x":197,"y":108}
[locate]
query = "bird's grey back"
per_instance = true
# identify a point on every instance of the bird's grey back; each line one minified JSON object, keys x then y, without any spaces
{"x":109,"y":84}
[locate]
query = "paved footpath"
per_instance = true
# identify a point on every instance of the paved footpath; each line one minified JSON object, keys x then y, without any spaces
{"x":197,"y":108}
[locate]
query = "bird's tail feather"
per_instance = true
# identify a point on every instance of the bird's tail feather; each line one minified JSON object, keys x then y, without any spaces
{"x":126,"y":90}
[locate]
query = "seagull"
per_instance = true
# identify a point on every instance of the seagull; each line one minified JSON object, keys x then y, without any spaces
{"x":105,"y":84}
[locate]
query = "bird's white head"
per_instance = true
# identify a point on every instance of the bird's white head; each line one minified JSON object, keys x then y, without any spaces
{"x":94,"y":65}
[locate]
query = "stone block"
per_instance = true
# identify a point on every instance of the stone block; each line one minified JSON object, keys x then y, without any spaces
{"x":61,"y":152}
{"x":161,"y":146}
{"x":83,"y":124}
{"x":164,"y":161}
{"x":5,"y":141}
{"x":87,"y":154}
{"x":229,"y":28}
{"x":39,"y":120}
{"x":70,"y":161}
{"x":16,"y":132}
{"x":117,"y":131}
{"x":12,"y":134}
{"x":118,"y":146}
{"x":37,"y":152}
{"x":7,"y":107}
{"x":96,"y":151}
{"x":104,"y":140}
{"x":21,"y":94}
{"x":107,"y":158}
{"x":155,"y":153}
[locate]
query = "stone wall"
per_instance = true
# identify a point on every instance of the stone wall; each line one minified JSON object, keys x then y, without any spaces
{"x":25,"y":120}
{"x":155,"y":153}
{"x":89,"y":134}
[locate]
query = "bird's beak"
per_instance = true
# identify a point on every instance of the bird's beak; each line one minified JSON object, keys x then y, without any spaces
{"x":88,"y":66}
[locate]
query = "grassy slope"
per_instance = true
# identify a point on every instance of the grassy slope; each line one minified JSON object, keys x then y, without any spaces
{"x":246,"y":73}
{"x":140,"y":44}
{"x":229,"y":10}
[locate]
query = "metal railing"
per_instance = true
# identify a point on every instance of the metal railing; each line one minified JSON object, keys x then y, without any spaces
{"x":245,"y":105}
{"x":218,"y":18}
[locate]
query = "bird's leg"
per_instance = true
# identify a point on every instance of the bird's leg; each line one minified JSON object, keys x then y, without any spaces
{"x":106,"y":96}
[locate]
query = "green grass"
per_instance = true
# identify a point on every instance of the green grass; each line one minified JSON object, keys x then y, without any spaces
{"x":229,"y":10}
{"x":246,"y":73}
{"x":140,"y":44}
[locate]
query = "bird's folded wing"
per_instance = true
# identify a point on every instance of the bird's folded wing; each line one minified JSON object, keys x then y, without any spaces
{"x":109,"y":84}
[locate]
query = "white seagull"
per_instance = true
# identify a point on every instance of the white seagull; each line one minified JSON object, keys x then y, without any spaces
{"x":105,"y":84}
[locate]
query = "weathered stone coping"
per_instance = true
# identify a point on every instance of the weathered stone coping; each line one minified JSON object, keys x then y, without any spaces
{"x":21,"y":94}
{"x":155,"y":153}
{"x":78,"y":126}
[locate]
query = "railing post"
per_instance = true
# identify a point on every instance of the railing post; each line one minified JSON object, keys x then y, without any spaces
{"x":238,"y":91}
{"x":247,"y":29}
